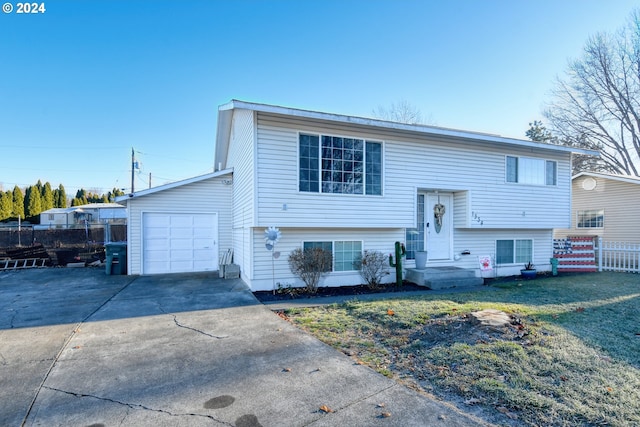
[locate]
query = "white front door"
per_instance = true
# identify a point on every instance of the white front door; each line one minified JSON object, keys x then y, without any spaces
{"x":438,"y":220}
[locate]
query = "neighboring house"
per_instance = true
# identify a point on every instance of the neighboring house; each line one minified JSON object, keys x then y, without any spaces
{"x":55,"y":218}
{"x":606,"y":206}
{"x":79,"y":216}
{"x":351,"y":184}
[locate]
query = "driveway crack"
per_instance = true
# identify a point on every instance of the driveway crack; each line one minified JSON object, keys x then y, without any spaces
{"x":64,"y":346}
{"x":136,"y":406}
{"x":180,"y":325}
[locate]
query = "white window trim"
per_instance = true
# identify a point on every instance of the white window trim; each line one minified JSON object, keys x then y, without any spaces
{"x":532,"y":184}
{"x":495,"y":246}
{"x":589,"y":228}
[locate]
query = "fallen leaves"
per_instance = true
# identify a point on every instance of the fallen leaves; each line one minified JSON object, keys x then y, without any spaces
{"x":325,"y":409}
{"x":391,"y":312}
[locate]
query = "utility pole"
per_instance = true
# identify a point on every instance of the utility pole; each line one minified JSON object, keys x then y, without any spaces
{"x":149,"y":179}
{"x":133,"y":166}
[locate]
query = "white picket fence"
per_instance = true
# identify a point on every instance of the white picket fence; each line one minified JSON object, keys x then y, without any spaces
{"x":618,"y":256}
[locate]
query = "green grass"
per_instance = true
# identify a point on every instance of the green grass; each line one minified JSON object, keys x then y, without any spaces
{"x":576,"y":363}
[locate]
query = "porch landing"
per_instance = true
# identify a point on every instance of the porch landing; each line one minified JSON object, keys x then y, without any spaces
{"x":443,"y":277}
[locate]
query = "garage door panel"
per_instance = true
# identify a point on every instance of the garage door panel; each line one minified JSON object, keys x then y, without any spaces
{"x":181,"y":255}
{"x":178,"y":232}
{"x":157,"y":256}
{"x":156,"y":233}
{"x":201,"y":243}
{"x":161,"y":221}
{"x":179,"y":242}
{"x":203,"y":233}
{"x":181,"y":220}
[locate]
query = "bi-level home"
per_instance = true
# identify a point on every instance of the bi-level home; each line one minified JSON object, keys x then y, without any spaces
{"x":350,"y":184}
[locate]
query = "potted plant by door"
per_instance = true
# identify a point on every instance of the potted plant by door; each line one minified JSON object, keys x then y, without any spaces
{"x":529,"y":271}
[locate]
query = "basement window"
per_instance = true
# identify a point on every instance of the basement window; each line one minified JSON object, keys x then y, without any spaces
{"x":514,"y":251}
{"x":344,"y":253}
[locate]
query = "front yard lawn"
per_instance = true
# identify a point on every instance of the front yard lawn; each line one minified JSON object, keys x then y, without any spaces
{"x":571,"y":355}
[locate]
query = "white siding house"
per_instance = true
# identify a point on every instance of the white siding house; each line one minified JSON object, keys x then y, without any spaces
{"x":353,"y":184}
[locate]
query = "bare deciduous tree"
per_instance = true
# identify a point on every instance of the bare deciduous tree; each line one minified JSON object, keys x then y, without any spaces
{"x":580,"y":162}
{"x":597,"y":105}
{"x":402,"y":112}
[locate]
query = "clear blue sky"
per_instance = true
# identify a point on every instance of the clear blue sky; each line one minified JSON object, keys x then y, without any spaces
{"x":85,"y":81}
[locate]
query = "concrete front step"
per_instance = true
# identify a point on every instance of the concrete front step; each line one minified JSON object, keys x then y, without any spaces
{"x":443,"y":277}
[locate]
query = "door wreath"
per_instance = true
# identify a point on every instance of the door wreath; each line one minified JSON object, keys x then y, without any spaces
{"x":438,"y":215}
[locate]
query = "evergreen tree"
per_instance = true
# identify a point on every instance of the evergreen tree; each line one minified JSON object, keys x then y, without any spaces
{"x":33,"y":204}
{"x":116,"y":192}
{"x":81,"y":196}
{"x":47,"y":197}
{"x":60,"y":197}
{"x":6,"y":205}
{"x":18,"y":202}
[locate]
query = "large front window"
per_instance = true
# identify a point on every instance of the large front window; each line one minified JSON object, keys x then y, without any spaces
{"x":331,"y":164}
{"x":514,"y":251}
{"x":526,"y":170}
{"x":345,"y":253}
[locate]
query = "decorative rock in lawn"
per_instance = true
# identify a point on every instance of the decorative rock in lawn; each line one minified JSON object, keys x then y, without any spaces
{"x":491,"y":318}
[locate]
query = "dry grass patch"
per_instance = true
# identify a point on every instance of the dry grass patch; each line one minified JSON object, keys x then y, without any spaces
{"x":571,"y":355}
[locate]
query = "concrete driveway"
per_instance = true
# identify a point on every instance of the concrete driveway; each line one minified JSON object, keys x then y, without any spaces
{"x":80,"y":348}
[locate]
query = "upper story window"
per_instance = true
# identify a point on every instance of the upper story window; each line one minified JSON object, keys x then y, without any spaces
{"x":590,"y":219}
{"x":331,"y":164}
{"x":527,"y":170}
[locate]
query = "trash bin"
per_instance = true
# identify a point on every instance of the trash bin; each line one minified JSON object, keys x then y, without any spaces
{"x":554,"y":266}
{"x":116,"y":258}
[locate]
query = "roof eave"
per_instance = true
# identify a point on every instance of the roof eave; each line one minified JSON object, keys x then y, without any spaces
{"x":171,"y":185}
{"x":423,"y":129}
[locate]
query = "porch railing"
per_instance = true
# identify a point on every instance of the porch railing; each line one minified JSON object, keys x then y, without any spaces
{"x":618,"y":256}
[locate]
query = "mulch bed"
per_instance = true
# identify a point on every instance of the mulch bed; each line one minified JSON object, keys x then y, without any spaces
{"x":298,"y":293}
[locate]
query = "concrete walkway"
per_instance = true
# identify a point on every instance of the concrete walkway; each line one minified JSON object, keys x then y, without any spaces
{"x":79,"y":348}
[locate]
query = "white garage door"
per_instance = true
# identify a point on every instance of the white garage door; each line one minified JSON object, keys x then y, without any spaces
{"x":179,"y":242}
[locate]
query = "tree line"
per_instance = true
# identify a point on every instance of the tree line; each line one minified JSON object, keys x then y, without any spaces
{"x":38,"y":198}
